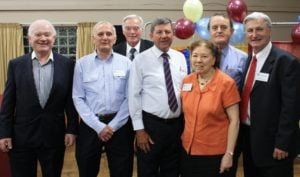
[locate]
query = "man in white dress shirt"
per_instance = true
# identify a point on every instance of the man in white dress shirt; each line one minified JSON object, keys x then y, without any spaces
{"x":154,"y":109}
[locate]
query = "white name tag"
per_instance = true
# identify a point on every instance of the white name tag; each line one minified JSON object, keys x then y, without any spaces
{"x":119,"y":73}
{"x":187,"y":87}
{"x":264,"y":77}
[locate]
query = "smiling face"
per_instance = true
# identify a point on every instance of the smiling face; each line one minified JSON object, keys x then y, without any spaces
{"x":162,"y":36}
{"x":132,"y":30}
{"x":202,"y":59}
{"x":41,"y":37}
{"x":258,"y":34}
{"x":220,"y":30}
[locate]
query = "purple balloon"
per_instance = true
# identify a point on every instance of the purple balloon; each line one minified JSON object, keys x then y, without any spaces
{"x":296,"y":33}
{"x":184,"y":28}
{"x":237,"y":10}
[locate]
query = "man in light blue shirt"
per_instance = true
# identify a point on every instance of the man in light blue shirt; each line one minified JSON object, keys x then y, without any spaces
{"x":233,"y":62}
{"x":100,"y":97}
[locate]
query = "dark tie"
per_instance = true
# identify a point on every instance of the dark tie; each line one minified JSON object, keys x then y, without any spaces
{"x":172,"y":101}
{"x":131,"y":52}
{"x":247,"y":90}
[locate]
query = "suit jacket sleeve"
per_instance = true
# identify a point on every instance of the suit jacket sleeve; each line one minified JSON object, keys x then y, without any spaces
{"x":289,"y":115}
{"x":8,"y":104}
{"x":71,"y":113}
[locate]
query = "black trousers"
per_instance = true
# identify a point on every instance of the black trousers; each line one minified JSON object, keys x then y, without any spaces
{"x":163,"y":160}
{"x":201,"y":166}
{"x":119,"y":150}
{"x":281,"y":169}
{"x":24,"y":161}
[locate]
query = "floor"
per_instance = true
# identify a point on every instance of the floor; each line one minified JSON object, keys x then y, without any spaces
{"x":70,"y":168}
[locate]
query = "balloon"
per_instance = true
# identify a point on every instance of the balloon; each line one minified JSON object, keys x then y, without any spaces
{"x":237,"y":10}
{"x":193,"y":10}
{"x":186,"y":54}
{"x":184,"y":28}
{"x":299,"y":18}
{"x":201,"y":28}
{"x":238,"y":35}
{"x":296,"y":33}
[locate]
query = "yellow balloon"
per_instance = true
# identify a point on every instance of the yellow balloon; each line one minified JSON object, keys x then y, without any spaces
{"x":193,"y":10}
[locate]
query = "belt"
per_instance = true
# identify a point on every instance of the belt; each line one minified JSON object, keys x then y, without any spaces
{"x":106,"y":117}
{"x":153,"y":117}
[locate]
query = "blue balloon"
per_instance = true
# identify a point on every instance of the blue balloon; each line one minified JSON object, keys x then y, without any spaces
{"x":186,"y":54}
{"x":201,"y":28}
{"x":238,"y":35}
{"x":299,"y":18}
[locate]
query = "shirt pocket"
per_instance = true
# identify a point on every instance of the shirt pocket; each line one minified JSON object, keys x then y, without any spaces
{"x":120,"y":84}
{"x":90,"y":82}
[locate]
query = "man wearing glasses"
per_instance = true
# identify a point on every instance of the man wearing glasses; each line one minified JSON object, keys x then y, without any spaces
{"x":132,"y":26}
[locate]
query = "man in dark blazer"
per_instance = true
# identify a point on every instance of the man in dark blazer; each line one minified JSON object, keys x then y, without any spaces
{"x":37,"y":96}
{"x":270,"y":115}
{"x":132,"y":26}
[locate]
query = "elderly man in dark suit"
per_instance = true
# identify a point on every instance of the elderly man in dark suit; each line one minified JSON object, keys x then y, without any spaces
{"x":269,"y":106}
{"x":132,"y":26}
{"x":37,"y":96}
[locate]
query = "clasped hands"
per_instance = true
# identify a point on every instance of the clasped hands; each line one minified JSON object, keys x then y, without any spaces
{"x":106,"y":133}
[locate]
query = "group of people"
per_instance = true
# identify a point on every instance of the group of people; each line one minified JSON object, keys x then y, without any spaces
{"x":137,"y":97}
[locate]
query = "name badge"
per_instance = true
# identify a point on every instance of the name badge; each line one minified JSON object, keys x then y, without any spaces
{"x":119,"y":73}
{"x":264,"y":77}
{"x":187,"y":87}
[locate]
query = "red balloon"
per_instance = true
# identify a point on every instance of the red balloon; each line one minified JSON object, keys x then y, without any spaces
{"x":296,"y":33}
{"x":237,"y":10}
{"x":184,"y":28}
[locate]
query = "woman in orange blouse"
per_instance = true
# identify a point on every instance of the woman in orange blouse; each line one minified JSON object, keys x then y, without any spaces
{"x":210,"y":104}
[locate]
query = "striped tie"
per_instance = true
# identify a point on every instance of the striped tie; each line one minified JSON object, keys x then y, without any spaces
{"x":132,"y":51}
{"x":169,"y":84}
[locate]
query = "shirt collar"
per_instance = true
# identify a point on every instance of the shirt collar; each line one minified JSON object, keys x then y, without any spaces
{"x":157,"y":52}
{"x":137,"y":47}
{"x":97,"y":58}
{"x":225,"y":51}
{"x":264,"y":52}
{"x":33,"y":56}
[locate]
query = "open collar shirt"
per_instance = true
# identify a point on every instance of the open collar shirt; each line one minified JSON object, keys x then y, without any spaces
{"x":100,"y":87}
{"x":233,"y":62}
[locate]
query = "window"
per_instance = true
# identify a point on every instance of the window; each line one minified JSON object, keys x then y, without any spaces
{"x":65,"y":42}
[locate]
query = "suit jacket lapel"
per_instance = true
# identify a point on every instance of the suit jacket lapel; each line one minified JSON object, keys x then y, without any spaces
{"x":123,"y":49}
{"x":30,"y":78}
{"x":268,"y":65}
{"x":56,"y":71}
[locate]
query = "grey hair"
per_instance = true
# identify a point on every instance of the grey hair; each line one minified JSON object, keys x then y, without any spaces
{"x":160,"y":21}
{"x":103,"y":23}
{"x":258,"y":15}
{"x":39,"y":22}
{"x":133,"y":16}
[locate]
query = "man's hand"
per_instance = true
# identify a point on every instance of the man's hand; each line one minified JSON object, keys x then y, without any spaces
{"x":69,"y":139}
{"x":280,"y":154}
{"x":106,"y":133}
{"x":5,"y":144}
{"x":143,"y":140}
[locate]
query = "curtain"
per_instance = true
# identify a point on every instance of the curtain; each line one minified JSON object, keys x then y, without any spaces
{"x":11,"y":46}
{"x":84,"y":39}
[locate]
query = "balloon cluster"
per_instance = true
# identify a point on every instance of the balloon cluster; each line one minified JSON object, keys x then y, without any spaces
{"x":237,"y":11}
{"x":296,"y":32}
{"x":193,"y":10}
